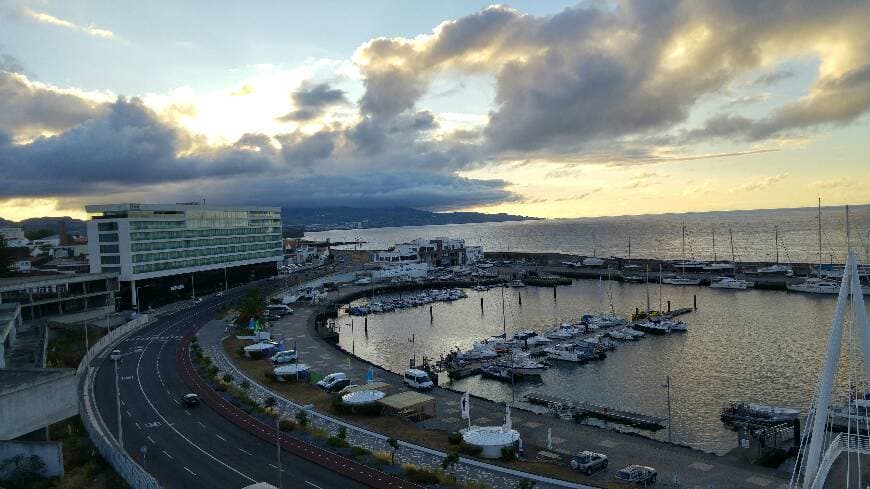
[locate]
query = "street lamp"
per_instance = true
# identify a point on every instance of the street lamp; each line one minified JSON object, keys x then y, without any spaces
{"x":278,"y":446}
{"x":667,"y":385}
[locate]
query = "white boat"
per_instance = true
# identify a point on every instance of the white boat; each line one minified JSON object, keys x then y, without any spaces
{"x":538,"y":340}
{"x":565,"y":331}
{"x":691,"y":264}
{"x":731,"y":283}
{"x":816,"y":286}
{"x":521,"y":364}
{"x":564,"y":353}
{"x":776,"y":268}
{"x":677,"y":326}
{"x":619,"y":335}
{"x":635,"y":334}
{"x":654,"y":327}
{"x":480,"y":350}
{"x":681,"y":281}
{"x":718,"y":267}
{"x":516,"y":283}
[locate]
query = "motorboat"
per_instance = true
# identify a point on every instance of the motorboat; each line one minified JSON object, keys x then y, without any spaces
{"x":815,"y":286}
{"x":654,"y":327}
{"x":731,"y":283}
{"x":675,"y":280}
{"x":516,"y":283}
{"x":565,"y":352}
{"x":619,"y":335}
{"x":522,"y":365}
{"x":628,"y":330}
{"x":691,"y":265}
{"x":677,"y":326}
{"x":480,"y":350}
{"x":565,"y":331}
{"x":538,"y":340}
{"x":775,"y":269}
{"x":718,"y":267}
{"x":755,"y":413}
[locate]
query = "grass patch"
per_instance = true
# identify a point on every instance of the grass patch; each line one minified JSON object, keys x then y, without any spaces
{"x":67,"y":348}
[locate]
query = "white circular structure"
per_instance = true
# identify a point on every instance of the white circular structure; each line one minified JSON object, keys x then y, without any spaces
{"x":259,"y":349}
{"x":491,"y":439}
{"x":362,"y":398}
{"x":260,"y":485}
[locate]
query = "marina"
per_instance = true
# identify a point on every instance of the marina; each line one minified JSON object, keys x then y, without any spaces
{"x":579,"y":409}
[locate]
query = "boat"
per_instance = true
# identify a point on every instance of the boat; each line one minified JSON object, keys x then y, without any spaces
{"x":674,"y":280}
{"x":815,"y":286}
{"x":632,"y":278}
{"x":537,"y":340}
{"x":691,"y":264}
{"x":480,"y":350}
{"x":565,"y":352}
{"x":516,"y":283}
{"x":620,"y":335}
{"x":718,"y":267}
{"x":654,"y":327}
{"x":629,"y":331}
{"x":731,"y":283}
{"x":677,"y":326}
{"x":745,"y":412}
{"x":776,"y":269}
{"x":480,"y":288}
{"x":565,"y":331}
{"x":521,"y":365}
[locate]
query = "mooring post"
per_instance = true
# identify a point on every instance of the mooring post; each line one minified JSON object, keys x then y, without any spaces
{"x":367,"y":325}
{"x":695,"y":301}
{"x":520,"y":295}
{"x":481,"y":305}
{"x":669,"y":306}
{"x":554,"y":292}
{"x":431,"y":314}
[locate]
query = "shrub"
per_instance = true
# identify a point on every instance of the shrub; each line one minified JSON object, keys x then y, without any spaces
{"x":286,"y":424}
{"x":508,"y":454}
{"x":206,"y":360}
{"x":319,"y":433}
{"x":270,"y":402}
{"x":450,"y":460}
{"x":394,"y":445}
{"x":270,"y":376}
{"x":302,"y":418}
{"x":359,"y":451}
{"x":472,"y":450}
{"x":221,"y":387}
{"x":342,"y":433}
{"x":245,"y":384}
{"x":454,"y":438}
{"x":420,"y":475}
{"x":241,"y":351}
{"x":383,"y":457}
{"x":212,"y":370}
{"x":194,"y":340}
{"x":476,"y":484}
{"x":227,"y":378}
{"x":336,"y":442}
{"x":526,"y":484}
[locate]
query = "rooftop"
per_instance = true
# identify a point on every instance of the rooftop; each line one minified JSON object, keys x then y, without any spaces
{"x":12,"y":380}
{"x":16,"y":283}
{"x":173,"y":207}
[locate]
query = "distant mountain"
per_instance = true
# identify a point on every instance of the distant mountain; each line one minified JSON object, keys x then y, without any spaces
{"x":323,"y":218}
{"x":73,"y":226}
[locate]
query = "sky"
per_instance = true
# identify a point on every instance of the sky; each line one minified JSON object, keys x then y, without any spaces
{"x":547,"y":109}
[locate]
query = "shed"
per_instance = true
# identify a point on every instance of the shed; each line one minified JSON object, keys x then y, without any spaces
{"x":410,"y":404}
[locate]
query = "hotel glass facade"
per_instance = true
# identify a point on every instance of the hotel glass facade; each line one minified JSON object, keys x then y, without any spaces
{"x":143,"y":241}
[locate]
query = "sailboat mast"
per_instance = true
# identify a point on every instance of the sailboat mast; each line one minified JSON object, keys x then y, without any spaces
{"x":647,"y":290}
{"x":660,"y":287}
{"x":820,"y":237}
{"x":593,"y":243}
{"x":733,"y":262}
{"x":714,"y":244}
{"x":776,"y":241}
{"x":503,"y":316}
{"x":629,"y":246}
{"x":684,"y":250}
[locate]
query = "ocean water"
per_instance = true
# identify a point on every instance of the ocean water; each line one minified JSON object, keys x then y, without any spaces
{"x":656,"y":236}
{"x":757,"y":345}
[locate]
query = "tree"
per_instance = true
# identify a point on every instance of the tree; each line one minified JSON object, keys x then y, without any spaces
{"x":527,"y":484}
{"x":270,"y":402}
{"x":251,"y":306}
{"x":5,"y":259}
{"x":39,"y":233}
{"x":394,"y":444}
{"x":450,"y":460}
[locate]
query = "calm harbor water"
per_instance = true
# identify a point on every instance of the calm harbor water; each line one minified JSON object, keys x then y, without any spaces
{"x":756,"y":345}
{"x":655,"y":236}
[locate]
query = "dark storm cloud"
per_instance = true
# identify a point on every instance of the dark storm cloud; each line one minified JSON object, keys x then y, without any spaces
{"x":311,"y":100}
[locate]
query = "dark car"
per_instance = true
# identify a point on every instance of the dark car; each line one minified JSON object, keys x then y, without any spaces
{"x":637,"y":474}
{"x":190,"y":400}
{"x":589,"y":462}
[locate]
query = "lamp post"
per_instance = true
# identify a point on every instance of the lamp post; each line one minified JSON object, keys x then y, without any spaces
{"x":667,"y":385}
{"x":278,"y":447}
{"x":118,"y":406}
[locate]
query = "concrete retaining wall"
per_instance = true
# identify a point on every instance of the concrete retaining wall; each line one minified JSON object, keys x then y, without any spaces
{"x":37,"y":403}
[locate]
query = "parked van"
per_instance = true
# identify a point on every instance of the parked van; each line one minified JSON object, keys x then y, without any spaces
{"x":279,"y":309}
{"x":286,"y":356}
{"x":418,"y":379}
{"x":334,"y":382}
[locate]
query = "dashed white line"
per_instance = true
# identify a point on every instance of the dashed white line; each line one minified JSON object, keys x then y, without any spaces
{"x":167,"y":454}
{"x":219,"y":436}
{"x":313,"y":485}
{"x":200,"y":423}
{"x":273,"y":466}
{"x":137,"y":425}
{"x":245,"y":452}
{"x":192,"y":472}
{"x":151,"y":440}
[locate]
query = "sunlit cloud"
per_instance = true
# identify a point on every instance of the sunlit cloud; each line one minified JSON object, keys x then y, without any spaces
{"x":47,"y":18}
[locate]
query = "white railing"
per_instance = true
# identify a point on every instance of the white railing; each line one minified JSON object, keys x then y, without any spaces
{"x":100,"y":436}
{"x":852,"y":443}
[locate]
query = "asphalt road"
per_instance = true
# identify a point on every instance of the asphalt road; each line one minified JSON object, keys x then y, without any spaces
{"x":189,"y":447}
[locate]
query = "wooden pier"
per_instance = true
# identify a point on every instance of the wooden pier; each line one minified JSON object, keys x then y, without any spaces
{"x":580,"y":409}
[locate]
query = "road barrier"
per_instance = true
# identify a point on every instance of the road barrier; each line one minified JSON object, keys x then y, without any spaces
{"x":99,"y":434}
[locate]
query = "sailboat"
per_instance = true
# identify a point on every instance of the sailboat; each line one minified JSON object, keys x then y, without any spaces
{"x":818,"y":284}
{"x":717,"y":266}
{"x":732,"y":282}
{"x":776,"y":268}
{"x":683,"y":279}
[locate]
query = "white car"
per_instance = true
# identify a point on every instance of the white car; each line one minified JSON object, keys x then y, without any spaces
{"x":418,"y":379}
{"x":637,"y":474}
{"x":286,"y":356}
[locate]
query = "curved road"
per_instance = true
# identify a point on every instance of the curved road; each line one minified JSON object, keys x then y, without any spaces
{"x":189,"y":447}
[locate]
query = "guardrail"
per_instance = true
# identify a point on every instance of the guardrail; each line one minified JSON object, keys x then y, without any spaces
{"x":99,"y":434}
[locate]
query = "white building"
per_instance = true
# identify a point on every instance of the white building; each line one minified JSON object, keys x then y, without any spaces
{"x":145,"y":241}
{"x":473,"y":254}
{"x":436,"y":252}
{"x":12,"y":233}
{"x":400,"y":270}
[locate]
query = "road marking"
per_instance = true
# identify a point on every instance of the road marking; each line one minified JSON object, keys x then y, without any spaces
{"x":200,"y":423}
{"x":137,"y":425}
{"x":187,"y":413}
{"x":152,"y":440}
{"x":313,"y":485}
{"x":167,"y":454}
{"x":246,"y":452}
{"x":192,"y":472}
{"x":219,"y":436}
{"x":128,"y":413}
{"x":151,"y":404}
{"x":273,"y":466}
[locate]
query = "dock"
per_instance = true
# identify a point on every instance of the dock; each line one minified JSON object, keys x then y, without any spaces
{"x":581,"y":409}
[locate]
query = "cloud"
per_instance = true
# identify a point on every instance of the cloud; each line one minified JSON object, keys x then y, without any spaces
{"x":835,"y":184}
{"x":46,"y":18}
{"x":311,"y":101}
{"x":29,"y":109}
{"x":772,"y":78}
{"x":760,"y":183}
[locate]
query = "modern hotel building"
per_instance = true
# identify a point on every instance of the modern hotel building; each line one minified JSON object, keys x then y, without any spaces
{"x":141,"y":242}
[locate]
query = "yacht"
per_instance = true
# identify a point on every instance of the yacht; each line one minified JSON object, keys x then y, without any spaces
{"x":480,"y":350}
{"x":757,"y":413}
{"x":565,"y":353}
{"x":635,"y":334}
{"x":776,"y":268}
{"x":677,"y":326}
{"x":522,"y":365}
{"x":719,"y":267}
{"x":731,"y":283}
{"x":815,"y":286}
{"x":674,"y":280}
{"x":565,"y":331}
{"x":654,"y":327}
{"x":516,"y":283}
{"x":691,"y":265}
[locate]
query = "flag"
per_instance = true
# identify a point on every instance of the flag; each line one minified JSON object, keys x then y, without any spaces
{"x":251,"y":324}
{"x":281,"y":345}
{"x":370,"y":376}
{"x":507,"y":420}
{"x":549,"y":438}
{"x":464,"y":407}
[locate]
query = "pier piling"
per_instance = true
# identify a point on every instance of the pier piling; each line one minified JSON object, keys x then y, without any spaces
{"x":366,"y":324}
{"x":695,"y":301}
{"x":520,"y":295}
{"x":431,"y":314}
{"x":554,"y":292}
{"x":669,"y":306}
{"x":481,"y":306}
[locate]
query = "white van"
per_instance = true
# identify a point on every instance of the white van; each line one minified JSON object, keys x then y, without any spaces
{"x":334,"y":382}
{"x":418,"y":379}
{"x":285,"y":356}
{"x":279,"y":309}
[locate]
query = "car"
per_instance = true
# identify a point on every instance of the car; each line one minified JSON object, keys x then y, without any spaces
{"x":589,"y":462}
{"x":190,"y":400}
{"x":285,"y":356}
{"x":219,"y":294}
{"x":116,"y":355}
{"x":334,"y":382}
{"x":198,"y":300}
{"x":637,"y":474}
